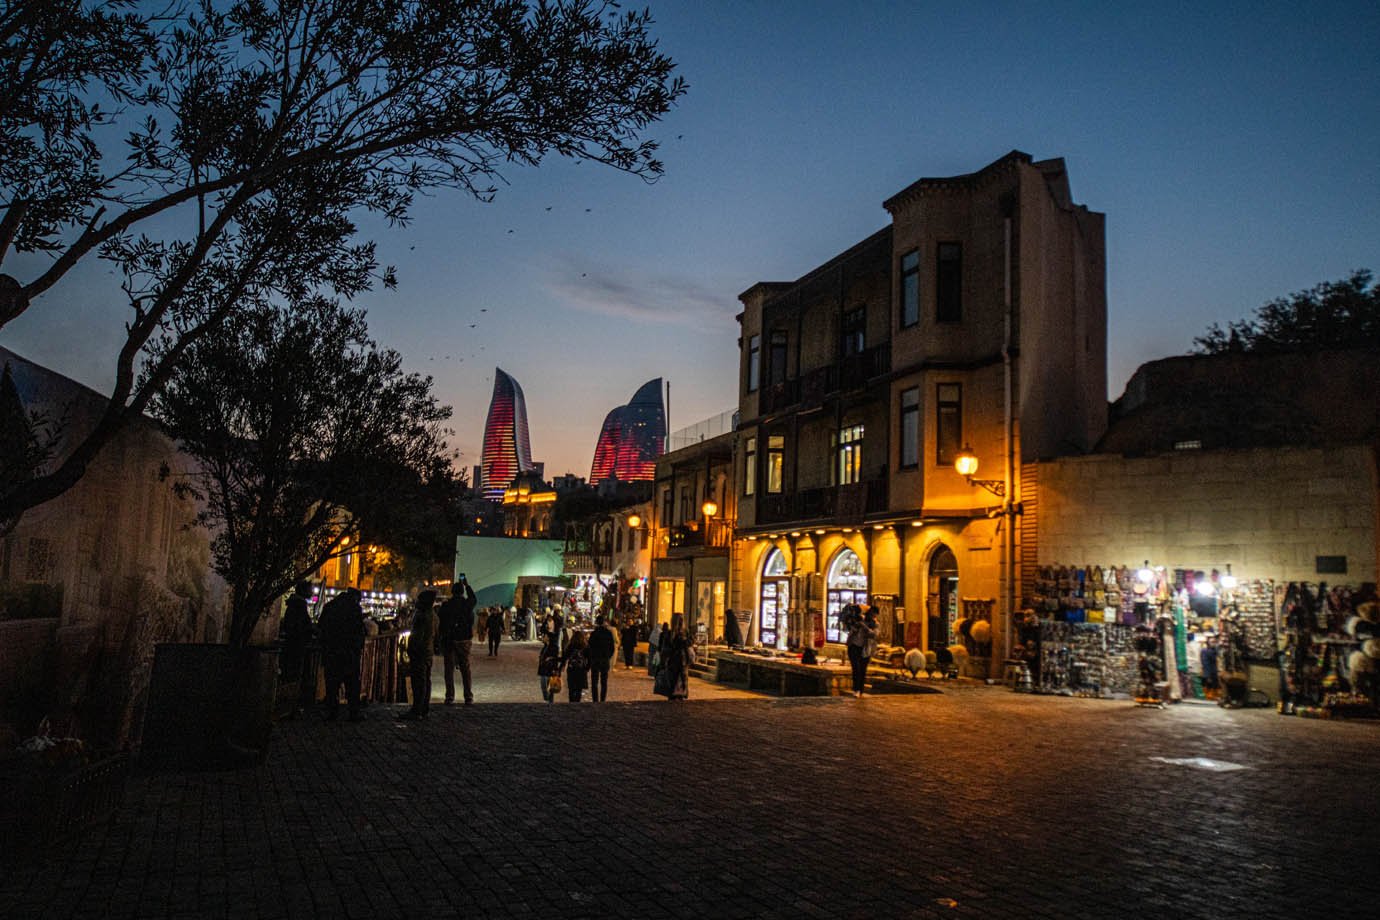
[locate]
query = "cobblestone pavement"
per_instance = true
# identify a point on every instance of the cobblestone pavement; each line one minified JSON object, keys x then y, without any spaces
{"x":983,"y":803}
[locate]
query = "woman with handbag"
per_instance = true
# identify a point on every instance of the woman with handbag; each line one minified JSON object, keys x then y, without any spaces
{"x":575,"y":663}
{"x":549,"y":666}
{"x":676,"y":656}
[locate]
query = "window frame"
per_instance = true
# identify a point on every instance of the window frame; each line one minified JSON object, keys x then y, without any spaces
{"x":754,"y":368}
{"x":847,"y":465}
{"x":910,"y":412}
{"x":948,"y":282}
{"x":778,"y":344}
{"x":750,"y":466}
{"x":952,"y":408}
{"x":910,"y":282}
{"x":776,"y":464}
{"x":853,"y":327}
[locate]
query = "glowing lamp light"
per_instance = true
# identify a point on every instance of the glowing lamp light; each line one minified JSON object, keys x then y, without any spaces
{"x":1228,"y":581}
{"x":1204,"y":588}
{"x":710,"y":508}
{"x":634,"y":520}
{"x":966,"y":463}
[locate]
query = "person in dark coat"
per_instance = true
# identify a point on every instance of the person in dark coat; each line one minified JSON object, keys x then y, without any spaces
{"x":549,"y":663}
{"x":342,"y":642}
{"x":676,"y":656}
{"x":733,"y":635}
{"x":457,"y":635}
{"x":495,"y":630}
{"x":862,"y":641}
{"x":601,"y":648}
{"x":628,"y":637}
{"x":575,"y":663}
{"x":296,"y":632}
{"x":421,"y":646}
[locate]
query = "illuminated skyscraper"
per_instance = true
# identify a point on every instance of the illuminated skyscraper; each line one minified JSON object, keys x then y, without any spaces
{"x":507,"y":450}
{"x":632,"y":438}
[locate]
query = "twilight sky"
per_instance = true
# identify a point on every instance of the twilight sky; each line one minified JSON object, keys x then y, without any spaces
{"x":1235,"y":149}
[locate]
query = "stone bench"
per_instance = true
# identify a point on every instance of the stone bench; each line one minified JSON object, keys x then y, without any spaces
{"x":781,"y":676}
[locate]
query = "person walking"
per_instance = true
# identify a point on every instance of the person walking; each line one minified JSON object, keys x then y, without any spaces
{"x":342,"y":642}
{"x":549,"y":664}
{"x":457,"y":635}
{"x":575,"y":663}
{"x":421,"y":646}
{"x":296,"y":632}
{"x":628,"y":637}
{"x":601,"y":649}
{"x":495,"y":630}
{"x":654,"y":647}
{"x":862,"y":639}
{"x":676,"y":656}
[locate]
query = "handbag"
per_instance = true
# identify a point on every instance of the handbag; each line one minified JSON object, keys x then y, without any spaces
{"x":553,"y":684}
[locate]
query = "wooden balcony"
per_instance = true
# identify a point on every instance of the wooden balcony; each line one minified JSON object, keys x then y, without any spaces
{"x":847,"y":504}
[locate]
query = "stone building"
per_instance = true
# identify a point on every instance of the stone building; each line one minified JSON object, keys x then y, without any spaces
{"x":975,"y":319}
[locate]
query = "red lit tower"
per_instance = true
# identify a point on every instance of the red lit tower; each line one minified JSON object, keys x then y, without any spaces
{"x":507,"y":450}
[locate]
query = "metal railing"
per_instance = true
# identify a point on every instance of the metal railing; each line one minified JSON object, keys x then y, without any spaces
{"x":703,"y":430}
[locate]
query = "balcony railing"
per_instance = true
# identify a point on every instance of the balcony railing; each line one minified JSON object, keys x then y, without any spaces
{"x":847,"y":504}
{"x":579,"y":561}
{"x":850,"y":373}
{"x":716,"y":535}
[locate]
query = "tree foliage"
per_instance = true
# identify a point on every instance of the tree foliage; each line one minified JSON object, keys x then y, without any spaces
{"x":27,"y":441}
{"x":1333,"y":314}
{"x":294,"y":415}
{"x":256,"y":132}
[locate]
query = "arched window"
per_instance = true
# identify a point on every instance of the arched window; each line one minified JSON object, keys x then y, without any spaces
{"x":774,"y":600}
{"x":846,"y":584}
{"x":618,"y":540}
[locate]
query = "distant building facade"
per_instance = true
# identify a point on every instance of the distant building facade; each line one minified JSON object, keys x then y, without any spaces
{"x":507,"y":449}
{"x":632,"y":438}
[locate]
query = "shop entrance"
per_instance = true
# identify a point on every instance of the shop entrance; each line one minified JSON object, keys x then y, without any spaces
{"x":709,"y":611}
{"x":774,"y":601}
{"x":942,"y":602}
{"x":847,"y":584}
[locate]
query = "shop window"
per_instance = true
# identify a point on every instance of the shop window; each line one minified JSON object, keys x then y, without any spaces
{"x":948,"y":423}
{"x":910,"y":428}
{"x":776,"y":358}
{"x":709,"y":611}
{"x":910,"y":288}
{"x":853,"y":332}
{"x":750,"y":467}
{"x":848,"y":455}
{"x":776,"y":462}
{"x":670,"y":598}
{"x":754,"y":363}
{"x":774,"y":601}
{"x":948,"y":283}
{"x":846,"y":584}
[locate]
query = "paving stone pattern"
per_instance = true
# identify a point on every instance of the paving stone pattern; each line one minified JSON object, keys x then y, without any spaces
{"x":977,"y":802}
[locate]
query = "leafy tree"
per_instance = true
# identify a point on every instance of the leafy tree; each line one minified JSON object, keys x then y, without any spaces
{"x":291,"y":412}
{"x":264,"y":128}
{"x":1334,"y":314}
{"x":27,"y":441}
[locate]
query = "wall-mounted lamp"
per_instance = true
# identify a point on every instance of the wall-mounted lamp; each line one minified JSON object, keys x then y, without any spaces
{"x":966,"y":464}
{"x":634,"y":521}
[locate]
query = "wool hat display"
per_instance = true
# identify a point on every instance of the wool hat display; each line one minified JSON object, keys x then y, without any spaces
{"x":958,"y":652}
{"x":981,"y":632}
{"x":1359,"y":663}
{"x":1371,"y":647}
{"x":915,"y":661}
{"x":1369,"y":611}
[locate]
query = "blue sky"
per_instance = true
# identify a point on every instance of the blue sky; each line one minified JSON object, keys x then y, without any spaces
{"x":1233,"y":147}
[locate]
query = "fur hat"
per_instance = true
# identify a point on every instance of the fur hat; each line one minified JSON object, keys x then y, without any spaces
{"x":1369,"y":611}
{"x":1371,"y":647}
{"x":1359,"y":663}
{"x":981,"y":632}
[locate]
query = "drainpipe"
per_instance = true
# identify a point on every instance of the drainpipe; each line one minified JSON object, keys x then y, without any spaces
{"x":1007,"y":506}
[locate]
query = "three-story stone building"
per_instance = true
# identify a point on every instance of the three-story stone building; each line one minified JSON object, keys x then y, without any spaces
{"x":973,"y":325}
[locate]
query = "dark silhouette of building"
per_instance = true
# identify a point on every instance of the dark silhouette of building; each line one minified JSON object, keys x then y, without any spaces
{"x":507,"y":449}
{"x":632,"y":438}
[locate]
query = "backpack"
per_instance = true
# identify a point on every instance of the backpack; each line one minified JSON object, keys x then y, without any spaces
{"x":577,"y":661}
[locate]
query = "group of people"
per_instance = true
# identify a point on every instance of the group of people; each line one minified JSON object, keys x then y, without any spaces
{"x":573,"y":660}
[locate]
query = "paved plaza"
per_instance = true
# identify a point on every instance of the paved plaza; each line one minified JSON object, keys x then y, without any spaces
{"x":976,"y":802}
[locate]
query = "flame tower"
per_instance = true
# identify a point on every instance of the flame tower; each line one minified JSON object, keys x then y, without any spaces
{"x":632,"y":438}
{"x":507,"y":448}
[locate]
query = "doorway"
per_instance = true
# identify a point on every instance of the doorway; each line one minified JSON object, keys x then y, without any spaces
{"x":941,"y":604}
{"x":774,"y":601}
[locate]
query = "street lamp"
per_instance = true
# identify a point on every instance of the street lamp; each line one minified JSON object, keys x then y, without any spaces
{"x":634,"y":521}
{"x":710,"y":508}
{"x":966,"y":464}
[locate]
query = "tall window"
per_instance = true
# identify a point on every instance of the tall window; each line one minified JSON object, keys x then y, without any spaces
{"x":750,"y":467}
{"x":853,"y":331}
{"x":667,"y":507}
{"x":776,"y":462}
{"x":776,"y":357}
{"x":948,"y":425}
{"x":948,"y":283}
{"x":754,"y":363}
{"x":910,"y":427}
{"x":848,"y":466}
{"x":910,"y":288}
{"x":686,"y":508}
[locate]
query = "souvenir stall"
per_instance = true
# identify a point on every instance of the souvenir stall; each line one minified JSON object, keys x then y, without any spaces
{"x":1329,"y":651}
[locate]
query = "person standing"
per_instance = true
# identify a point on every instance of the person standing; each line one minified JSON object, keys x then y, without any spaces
{"x":296,"y":632}
{"x":654,"y":647}
{"x":676,"y":656}
{"x":342,"y":642}
{"x":575,"y":663}
{"x":495,"y":630}
{"x":421,"y":645}
{"x":733,"y":634}
{"x":549,"y":664}
{"x":862,"y":636}
{"x":457,"y":635}
{"x":628,"y":637}
{"x":601,"y":648}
